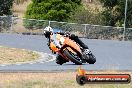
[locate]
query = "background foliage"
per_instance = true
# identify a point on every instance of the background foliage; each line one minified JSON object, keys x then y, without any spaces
{"x":58,"y":10}
{"x":5,"y":7}
{"x":72,"y":11}
{"x":55,"y":10}
{"x":19,"y":1}
{"x":113,"y":14}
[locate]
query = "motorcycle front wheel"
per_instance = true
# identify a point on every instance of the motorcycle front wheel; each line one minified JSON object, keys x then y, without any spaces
{"x":60,"y":60}
{"x":74,"y":57}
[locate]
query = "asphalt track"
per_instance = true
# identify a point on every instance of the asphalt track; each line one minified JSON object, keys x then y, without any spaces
{"x":110,"y":54}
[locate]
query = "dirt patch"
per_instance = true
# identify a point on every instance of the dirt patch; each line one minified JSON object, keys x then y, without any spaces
{"x":13,"y":55}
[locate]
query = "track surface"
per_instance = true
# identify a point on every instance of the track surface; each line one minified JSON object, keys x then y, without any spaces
{"x":111,"y":55}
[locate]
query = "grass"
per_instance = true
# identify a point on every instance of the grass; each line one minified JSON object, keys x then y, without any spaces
{"x":13,"y":55}
{"x":50,"y":80}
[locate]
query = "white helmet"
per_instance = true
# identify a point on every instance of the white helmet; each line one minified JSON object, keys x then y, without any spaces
{"x":48,"y":28}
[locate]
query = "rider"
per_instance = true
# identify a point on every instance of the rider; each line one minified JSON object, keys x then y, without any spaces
{"x":48,"y":30}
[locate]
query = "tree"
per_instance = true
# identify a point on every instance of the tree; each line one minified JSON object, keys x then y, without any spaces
{"x":85,"y":16}
{"x":113,"y":14}
{"x":58,"y":10}
{"x":5,"y":7}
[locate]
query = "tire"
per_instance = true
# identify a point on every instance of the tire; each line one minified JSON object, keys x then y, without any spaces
{"x":75,"y":60}
{"x":81,"y":80}
{"x":92,"y":59}
{"x":60,"y":60}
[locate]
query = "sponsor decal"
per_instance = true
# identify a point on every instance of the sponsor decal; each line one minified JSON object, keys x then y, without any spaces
{"x":82,"y":78}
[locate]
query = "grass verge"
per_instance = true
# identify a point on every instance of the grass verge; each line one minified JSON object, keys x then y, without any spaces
{"x":51,"y":80}
{"x":13,"y":55}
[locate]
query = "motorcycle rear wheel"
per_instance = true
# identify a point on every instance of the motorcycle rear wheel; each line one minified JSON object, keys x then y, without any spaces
{"x":92,"y":59}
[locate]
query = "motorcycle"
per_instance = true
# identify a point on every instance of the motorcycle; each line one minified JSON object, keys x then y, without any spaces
{"x":68,"y":50}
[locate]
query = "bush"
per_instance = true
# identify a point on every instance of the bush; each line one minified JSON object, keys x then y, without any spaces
{"x":57,"y":10}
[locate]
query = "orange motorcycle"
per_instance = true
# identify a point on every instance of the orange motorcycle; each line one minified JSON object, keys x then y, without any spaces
{"x":68,"y":50}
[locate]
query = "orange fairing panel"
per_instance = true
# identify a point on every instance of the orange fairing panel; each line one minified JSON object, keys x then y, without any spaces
{"x":53,"y":47}
{"x":72,"y":44}
{"x":70,"y":49}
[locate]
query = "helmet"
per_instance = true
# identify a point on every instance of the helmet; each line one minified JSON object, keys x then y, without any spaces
{"x":47,"y":31}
